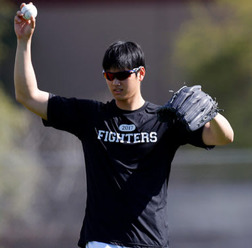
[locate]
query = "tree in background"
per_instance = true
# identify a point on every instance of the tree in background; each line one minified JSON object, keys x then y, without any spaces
{"x":29,"y":191}
{"x":6,"y":12}
{"x":214,"y":49}
{"x":19,"y":170}
{"x":7,"y":43}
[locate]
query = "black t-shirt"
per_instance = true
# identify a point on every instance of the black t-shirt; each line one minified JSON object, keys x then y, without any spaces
{"x":128,"y":156}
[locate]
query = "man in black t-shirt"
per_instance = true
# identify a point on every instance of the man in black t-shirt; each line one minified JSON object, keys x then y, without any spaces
{"x":128,"y":152}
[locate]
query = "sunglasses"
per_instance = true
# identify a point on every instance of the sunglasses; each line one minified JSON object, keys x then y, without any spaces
{"x":121,"y":75}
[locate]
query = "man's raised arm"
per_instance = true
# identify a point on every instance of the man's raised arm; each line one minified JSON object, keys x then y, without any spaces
{"x":26,"y":88}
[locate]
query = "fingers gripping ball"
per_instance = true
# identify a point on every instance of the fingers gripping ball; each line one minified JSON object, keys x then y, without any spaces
{"x":190,"y":106}
{"x":29,"y":10}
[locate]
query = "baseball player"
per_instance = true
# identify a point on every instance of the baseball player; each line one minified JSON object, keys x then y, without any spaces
{"x":128,"y":149}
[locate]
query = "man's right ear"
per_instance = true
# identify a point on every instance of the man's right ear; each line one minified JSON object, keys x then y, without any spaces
{"x":141,"y":73}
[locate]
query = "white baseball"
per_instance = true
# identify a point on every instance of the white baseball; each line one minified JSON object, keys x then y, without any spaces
{"x":29,"y":10}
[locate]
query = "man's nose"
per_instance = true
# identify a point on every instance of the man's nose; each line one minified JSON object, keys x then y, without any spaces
{"x":116,"y":82}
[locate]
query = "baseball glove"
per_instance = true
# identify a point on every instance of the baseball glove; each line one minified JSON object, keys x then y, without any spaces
{"x":190,"y":106}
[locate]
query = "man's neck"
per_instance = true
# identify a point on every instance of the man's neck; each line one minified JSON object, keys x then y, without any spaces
{"x":130,"y":105}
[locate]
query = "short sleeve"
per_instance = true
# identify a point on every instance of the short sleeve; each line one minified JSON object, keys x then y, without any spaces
{"x":69,"y":114}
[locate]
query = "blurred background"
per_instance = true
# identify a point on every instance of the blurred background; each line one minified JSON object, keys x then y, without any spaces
{"x":42,"y":171}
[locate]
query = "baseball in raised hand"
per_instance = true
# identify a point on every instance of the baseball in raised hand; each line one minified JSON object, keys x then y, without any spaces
{"x":24,"y":26}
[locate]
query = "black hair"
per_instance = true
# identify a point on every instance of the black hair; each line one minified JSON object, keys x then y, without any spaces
{"x":123,"y":55}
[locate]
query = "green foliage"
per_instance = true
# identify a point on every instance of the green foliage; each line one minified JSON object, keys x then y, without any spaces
{"x":6,"y":24}
{"x":19,"y":170}
{"x":12,"y":123}
{"x":214,"y":49}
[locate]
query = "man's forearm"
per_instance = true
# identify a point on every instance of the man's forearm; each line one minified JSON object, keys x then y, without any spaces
{"x":24,"y":75}
{"x":218,"y":131}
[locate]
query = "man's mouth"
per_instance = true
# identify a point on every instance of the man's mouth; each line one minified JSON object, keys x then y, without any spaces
{"x":117,"y":90}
